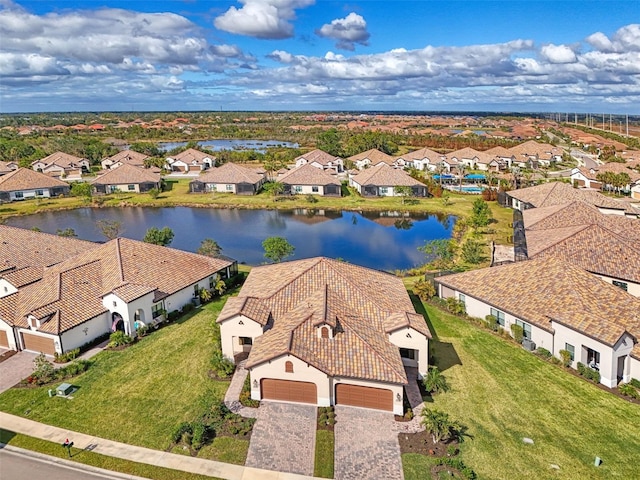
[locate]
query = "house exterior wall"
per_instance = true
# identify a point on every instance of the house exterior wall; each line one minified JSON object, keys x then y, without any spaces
{"x":231,"y":330}
{"x":184,"y":296}
{"x":85,"y":332}
{"x":6,"y":288}
{"x":123,"y":188}
{"x":410,"y":338}
{"x":302,"y":372}
{"x":11,"y":339}
{"x":29,"y":193}
{"x":632,"y":287}
{"x":634,"y":368}
{"x":635,"y":192}
{"x":307,"y":189}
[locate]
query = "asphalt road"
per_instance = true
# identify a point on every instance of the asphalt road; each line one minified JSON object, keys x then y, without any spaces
{"x":16,"y":466}
{"x":587,"y":160}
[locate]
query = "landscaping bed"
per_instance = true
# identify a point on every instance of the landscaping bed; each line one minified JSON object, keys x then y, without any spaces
{"x":421,"y":442}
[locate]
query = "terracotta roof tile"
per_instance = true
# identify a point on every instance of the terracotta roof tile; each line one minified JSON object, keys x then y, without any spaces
{"x":385,"y":176}
{"x":308,"y":175}
{"x":319,"y":156}
{"x":374,"y":156}
{"x":230,"y":173}
{"x":125,"y":174}
{"x":27,"y":179}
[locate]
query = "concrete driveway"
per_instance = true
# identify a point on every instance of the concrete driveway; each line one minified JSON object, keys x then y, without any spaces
{"x":15,"y":368}
{"x":366,"y":445}
{"x":284,"y":438}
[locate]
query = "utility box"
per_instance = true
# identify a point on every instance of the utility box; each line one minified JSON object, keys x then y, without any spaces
{"x":528,"y":345}
{"x":64,"y":389}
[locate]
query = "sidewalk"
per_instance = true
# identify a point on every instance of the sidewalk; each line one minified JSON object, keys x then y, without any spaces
{"x":140,"y":454}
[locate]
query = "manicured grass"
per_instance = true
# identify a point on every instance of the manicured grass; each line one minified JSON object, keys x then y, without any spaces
{"x":140,"y":394}
{"x":324,"y":454}
{"x":95,"y":459}
{"x":416,"y":466}
{"x":503,"y":393}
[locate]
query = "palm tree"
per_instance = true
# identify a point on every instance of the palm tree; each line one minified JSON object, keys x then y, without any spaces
{"x":435,"y":382}
{"x":440,"y":171}
{"x":515,"y":171}
{"x":462,"y":169}
{"x":490,"y":177}
{"x":439,"y":425}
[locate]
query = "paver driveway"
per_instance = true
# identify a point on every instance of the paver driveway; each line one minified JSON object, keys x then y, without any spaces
{"x":15,"y":368}
{"x":284,"y":438}
{"x":366,"y":445}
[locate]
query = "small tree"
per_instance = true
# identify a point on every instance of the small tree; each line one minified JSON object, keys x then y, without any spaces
{"x":472,"y":251}
{"x":274,"y":188}
{"x":43,"y":371}
{"x":158,"y":236}
{"x":154,"y":193}
{"x":435,"y":382}
{"x":210,"y":248}
{"x":424,"y":290}
{"x":480,"y":214}
{"x":404,"y":192}
{"x":81,"y":189}
{"x":438,"y":424}
{"x":110,"y":228}
{"x":439,"y":252}
{"x":565,"y":356}
{"x":277,"y":248}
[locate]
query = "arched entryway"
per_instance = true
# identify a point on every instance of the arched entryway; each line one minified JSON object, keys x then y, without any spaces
{"x":117,"y":323}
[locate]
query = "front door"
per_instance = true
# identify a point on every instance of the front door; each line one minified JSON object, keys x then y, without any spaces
{"x":620,"y":373}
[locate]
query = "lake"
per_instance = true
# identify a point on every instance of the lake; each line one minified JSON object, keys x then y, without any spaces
{"x":381,"y":240}
{"x":231,"y":144}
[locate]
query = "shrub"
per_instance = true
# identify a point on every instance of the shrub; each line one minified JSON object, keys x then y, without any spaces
{"x":518,"y":332}
{"x":154,"y":193}
{"x":205,"y":295}
{"x":311,"y":198}
{"x":543,"y":352}
{"x":424,"y":290}
{"x":565,"y":356}
{"x":635,"y":382}
{"x":465,"y":471}
{"x":455,"y":306}
{"x":409,"y":414}
{"x":492,"y":322}
{"x":67,"y":356}
{"x":588,"y":372}
{"x":555,"y":361}
{"x":173,"y":315}
{"x":245,"y":395}
{"x":118,"y":339}
{"x":74,"y":368}
{"x":222,"y":366}
{"x":43,"y":371}
{"x":199,"y":434}
{"x":143,"y":330}
{"x":629,"y":391}
{"x":435,"y":382}
{"x":186,"y":308}
{"x":178,"y":433}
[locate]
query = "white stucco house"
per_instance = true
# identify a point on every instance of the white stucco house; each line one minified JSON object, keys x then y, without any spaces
{"x":325,"y":332}
{"x":77,"y":291}
{"x":24,"y":183}
{"x":308,"y":179}
{"x":320,"y":159}
{"x":190,"y":160}
{"x":381,"y":181}
{"x":560,"y":307}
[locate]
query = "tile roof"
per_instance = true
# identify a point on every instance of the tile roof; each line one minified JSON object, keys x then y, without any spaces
{"x":308,"y":175}
{"x":192,"y":156}
{"x":422,"y":154}
{"x":21,"y":248}
{"x":385,"y":176}
{"x":127,"y":174}
{"x":500,"y":152}
{"x":592,"y":173}
{"x":543,"y":151}
{"x":4,"y":167}
{"x":466,"y":152}
{"x":61,"y":159}
{"x":231,"y":173}
{"x":71,"y":291}
{"x":545,"y":289}
{"x":319,"y":156}
{"x":27,"y":179}
{"x":554,"y":193}
{"x":374,"y":156}
{"x":128,"y":156}
{"x":303,"y":294}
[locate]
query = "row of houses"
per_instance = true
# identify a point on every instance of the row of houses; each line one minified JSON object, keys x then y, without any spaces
{"x":57,"y":294}
{"x":576,"y":284}
{"x":588,"y":178}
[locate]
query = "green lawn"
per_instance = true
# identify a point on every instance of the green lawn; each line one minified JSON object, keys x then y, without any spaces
{"x":324,"y":454}
{"x":503,"y":393}
{"x":139,"y":395}
{"x":95,"y":459}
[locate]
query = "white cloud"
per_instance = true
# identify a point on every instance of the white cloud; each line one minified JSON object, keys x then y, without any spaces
{"x":558,"y":53}
{"x":347,"y":31}
{"x":623,"y":40}
{"x":269,"y":19}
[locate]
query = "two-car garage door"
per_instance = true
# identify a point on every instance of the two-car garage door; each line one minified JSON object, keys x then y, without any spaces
{"x":367,"y":397}
{"x":36,"y":343}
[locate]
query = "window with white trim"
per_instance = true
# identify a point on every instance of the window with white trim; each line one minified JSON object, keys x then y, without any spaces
{"x":571,"y":349}
{"x":297,"y":188}
{"x":526,"y":328}
{"x":229,"y":188}
{"x":499,"y":316}
{"x":462,"y":299}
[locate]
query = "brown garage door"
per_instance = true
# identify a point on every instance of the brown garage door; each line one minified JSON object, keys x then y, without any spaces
{"x":289,"y":391}
{"x":36,"y":343}
{"x":368,"y":397}
{"x":4,"y":341}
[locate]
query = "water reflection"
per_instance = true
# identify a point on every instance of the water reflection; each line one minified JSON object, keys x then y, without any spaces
{"x":383,"y":240}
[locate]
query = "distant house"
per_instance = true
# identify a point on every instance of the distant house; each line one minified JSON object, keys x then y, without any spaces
{"x":559,"y":306}
{"x":322,"y":160}
{"x":190,"y":160}
{"x":504,"y":156}
{"x":532,"y":154}
{"x":123,"y":284}
{"x":635,"y":191}
{"x":588,"y":177}
{"x":319,"y":331}
{"x":381,"y":180}
{"x":423,"y":159}
{"x":126,"y":178}
{"x":308,"y":179}
{"x":371,"y":158}
{"x":60,"y":164}
{"x":125,"y":156}
{"x":24,"y":183}
{"x":228,"y":178}
{"x":5,"y":167}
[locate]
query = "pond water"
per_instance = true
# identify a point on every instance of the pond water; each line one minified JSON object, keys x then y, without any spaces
{"x":381,"y":240}
{"x":231,"y":144}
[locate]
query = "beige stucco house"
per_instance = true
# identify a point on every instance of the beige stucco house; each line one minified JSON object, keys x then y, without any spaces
{"x":57,"y":294}
{"x":124,"y":156}
{"x":325,"y":332}
{"x":127,"y":179}
{"x":560,"y":307}
{"x":381,"y":181}
{"x":308,"y":179}
{"x":190,"y":160}
{"x":320,"y":159}
{"x":62,"y":165}
{"x":229,"y":178}
{"x":24,"y":183}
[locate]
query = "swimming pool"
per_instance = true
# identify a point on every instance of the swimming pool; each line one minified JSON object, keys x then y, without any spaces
{"x":467,"y":189}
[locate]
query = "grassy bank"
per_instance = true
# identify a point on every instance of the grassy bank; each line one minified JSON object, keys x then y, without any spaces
{"x":140,"y":394}
{"x":503,"y":394}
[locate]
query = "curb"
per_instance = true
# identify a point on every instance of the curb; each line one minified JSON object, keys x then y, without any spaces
{"x":68,"y":463}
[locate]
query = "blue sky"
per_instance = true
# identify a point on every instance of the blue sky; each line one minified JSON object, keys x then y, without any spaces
{"x":571,"y":56}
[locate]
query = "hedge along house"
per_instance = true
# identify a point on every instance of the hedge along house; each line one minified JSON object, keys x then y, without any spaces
{"x":325,"y":332}
{"x":308,"y":179}
{"x":559,"y":307}
{"x":120,"y":285}
{"x":127,"y":179}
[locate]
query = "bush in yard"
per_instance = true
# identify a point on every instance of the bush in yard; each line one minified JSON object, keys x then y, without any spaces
{"x":565,"y":356}
{"x":311,"y":198}
{"x":43,"y":371}
{"x":173,"y":315}
{"x":455,"y":306}
{"x":518,"y":332}
{"x":221,"y":366}
{"x":635,"y":382}
{"x":435,"y":382}
{"x":465,"y":471}
{"x":186,"y":308}
{"x":424,"y":290}
{"x":199,"y":435}
{"x":205,"y":295}
{"x":588,"y":372}
{"x":74,"y":368}
{"x":118,"y":339}
{"x":438,"y":424}
{"x":543,"y":352}
{"x":629,"y":391}
{"x":492,"y":322}
{"x":67,"y":356}
{"x":245,"y":395}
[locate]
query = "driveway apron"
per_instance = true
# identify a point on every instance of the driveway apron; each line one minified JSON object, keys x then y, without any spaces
{"x":366,"y":445}
{"x":284,"y":438}
{"x":15,"y":368}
